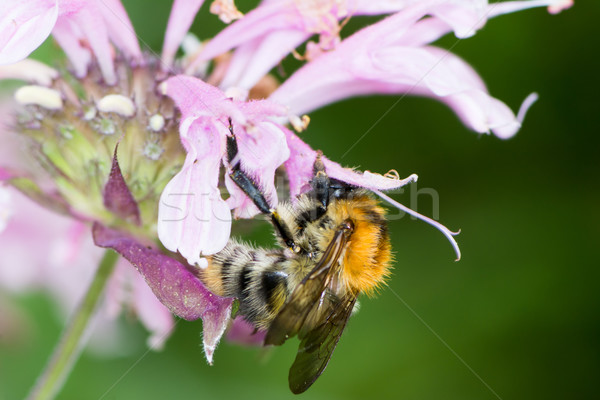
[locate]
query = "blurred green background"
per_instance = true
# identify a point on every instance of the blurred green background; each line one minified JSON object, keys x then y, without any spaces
{"x":516,"y":318}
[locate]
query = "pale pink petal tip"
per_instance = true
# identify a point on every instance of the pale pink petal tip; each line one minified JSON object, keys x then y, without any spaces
{"x":509,"y":125}
{"x":214,"y":323}
{"x":30,"y":71}
{"x":445,"y":231}
{"x":192,"y":217}
{"x":527,"y":103}
{"x":182,"y":15}
{"x":559,"y":6}
{"x":24,"y":26}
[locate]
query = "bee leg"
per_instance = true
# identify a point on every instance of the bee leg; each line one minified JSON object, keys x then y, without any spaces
{"x":320,"y":183}
{"x":251,"y":189}
{"x":242,"y":180}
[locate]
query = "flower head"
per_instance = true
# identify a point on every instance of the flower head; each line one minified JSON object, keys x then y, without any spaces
{"x":134,"y":146}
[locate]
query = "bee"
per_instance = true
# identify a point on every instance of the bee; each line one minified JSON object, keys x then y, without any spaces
{"x":334,"y":245}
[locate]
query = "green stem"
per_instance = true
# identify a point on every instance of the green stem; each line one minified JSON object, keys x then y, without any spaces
{"x":72,"y":340}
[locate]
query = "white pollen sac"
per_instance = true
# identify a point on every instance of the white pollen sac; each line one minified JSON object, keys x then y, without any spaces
{"x":156,"y":123}
{"x":40,"y":96}
{"x":118,"y":104}
{"x":162,"y":88}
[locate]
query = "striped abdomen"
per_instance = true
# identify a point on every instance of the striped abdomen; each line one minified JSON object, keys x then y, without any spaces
{"x":257,"y":277}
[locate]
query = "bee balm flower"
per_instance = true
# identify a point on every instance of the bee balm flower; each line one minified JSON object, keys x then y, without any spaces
{"x":133,"y":145}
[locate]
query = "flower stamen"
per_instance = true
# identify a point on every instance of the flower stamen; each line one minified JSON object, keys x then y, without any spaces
{"x":226,"y":10}
{"x":118,"y":104}
{"x":47,"y":98}
{"x":445,"y":231}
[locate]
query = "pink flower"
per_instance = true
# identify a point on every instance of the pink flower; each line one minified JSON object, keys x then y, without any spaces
{"x":44,"y":250}
{"x":24,"y":26}
{"x":392,"y":56}
{"x":83,"y":28}
{"x":205,"y":225}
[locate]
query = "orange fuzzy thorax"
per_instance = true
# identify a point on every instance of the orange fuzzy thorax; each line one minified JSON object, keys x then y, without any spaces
{"x":367,"y":259}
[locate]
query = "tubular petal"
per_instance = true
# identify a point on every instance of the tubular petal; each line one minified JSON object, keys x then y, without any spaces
{"x":65,"y":34}
{"x":192,"y":217}
{"x":171,"y":282}
{"x":299,"y":167}
{"x":375,"y":60}
{"x":24,"y":25}
{"x":30,"y":71}
{"x":119,"y":28}
{"x":447,"y":232}
{"x":182,"y":15}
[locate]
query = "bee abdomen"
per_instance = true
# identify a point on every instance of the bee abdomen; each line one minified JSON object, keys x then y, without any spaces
{"x":257,"y":277}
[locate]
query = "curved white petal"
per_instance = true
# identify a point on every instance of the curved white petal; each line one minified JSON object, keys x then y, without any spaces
{"x":24,"y":25}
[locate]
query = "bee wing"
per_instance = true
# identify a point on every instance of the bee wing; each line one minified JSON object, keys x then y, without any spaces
{"x":306,"y":297}
{"x":317,"y":345}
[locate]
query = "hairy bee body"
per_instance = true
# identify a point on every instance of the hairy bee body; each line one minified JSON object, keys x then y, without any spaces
{"x":334,"y":244}
{"x":263,"y":279}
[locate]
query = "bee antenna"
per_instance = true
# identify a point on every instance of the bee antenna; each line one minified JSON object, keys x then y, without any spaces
{"x":447,"y":232}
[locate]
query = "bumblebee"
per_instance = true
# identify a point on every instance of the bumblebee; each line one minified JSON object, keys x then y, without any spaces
{"x":334,"y":245}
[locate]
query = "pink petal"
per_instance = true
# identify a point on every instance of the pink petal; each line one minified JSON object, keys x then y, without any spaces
{"x":176,"y":287}
{"x":67,"y":35}
{"x":196,"y":98}
{"x":30,"y":71}
{"x":239,"y":201}
{"x":274,"y":29}
{"x":52,"y":251}
{"x":253,"y":60}
{"x":255,"y":24}
{"x":6,"y":174}
{"x":244,"y":333}
{"x":82,"y":24}
{"x":192,"y":217}
{"x":374,"y":61}
{"x":152,"y":313}
{"x":118,"y":288}
{"x":262,"y":148}
{"x":182,"y":15}
{"x":120,"y":29}
{"x":261,"y":152}
{"x":95,"y":30}
{"x":370,"y":7}
{"x":127,"y":290}
{"x":214,"y":323}
{"x":299,"y":166}
{"x":505,"y":7}
{"x":264,"y":36}
{"x":24,"y":25}
{"x":299,"y":169}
